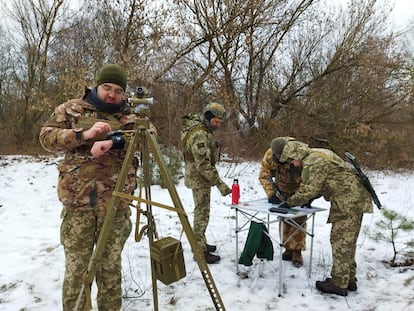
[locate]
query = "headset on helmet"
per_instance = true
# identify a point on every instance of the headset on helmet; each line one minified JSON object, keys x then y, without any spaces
{"x":216,"y":109}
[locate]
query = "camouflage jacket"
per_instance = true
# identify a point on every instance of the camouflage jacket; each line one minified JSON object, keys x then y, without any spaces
{"x":200,"y":154}
{"x":86,"y":182}
{"x":286,"y":176}
{"x":325,"y":174}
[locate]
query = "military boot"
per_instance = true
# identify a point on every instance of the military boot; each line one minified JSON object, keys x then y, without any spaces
{"x":352,"y":285}
{"x":297,"y":259}
{"x":287,"y":255}
{"x":329,"y":287}
{"x":210,"y":258}
{"x":211,"y":248}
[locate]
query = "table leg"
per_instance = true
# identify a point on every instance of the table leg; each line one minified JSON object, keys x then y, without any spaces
{"x":311,"y":248}
{"x":237,"y":242}
{"x":281,"y":244}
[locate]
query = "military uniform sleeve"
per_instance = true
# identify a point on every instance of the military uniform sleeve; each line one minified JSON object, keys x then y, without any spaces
{"x":201,"y":150}
{"x":265,"y":173}
{"x":314,"y":176}
{"x":57,"y":135}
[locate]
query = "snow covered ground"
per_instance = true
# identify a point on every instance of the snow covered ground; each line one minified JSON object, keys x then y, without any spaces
{"x":32,"y":261}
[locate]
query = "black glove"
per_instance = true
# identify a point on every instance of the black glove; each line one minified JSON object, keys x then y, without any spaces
{"x":284,"y":204}
{"x":274,"y":199}
{"x":307,"y":204}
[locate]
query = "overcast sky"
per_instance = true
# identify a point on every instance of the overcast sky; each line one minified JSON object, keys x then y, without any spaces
{"x":404,"y":11}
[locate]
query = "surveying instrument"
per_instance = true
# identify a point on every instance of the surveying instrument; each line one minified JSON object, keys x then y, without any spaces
{"x":167,"y":262}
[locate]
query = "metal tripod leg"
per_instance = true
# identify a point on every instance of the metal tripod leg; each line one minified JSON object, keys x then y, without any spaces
{"x":150,"y":232}
{"x":94,"y":261}
{"x":148,"y":142}
{"x":208,"y":279}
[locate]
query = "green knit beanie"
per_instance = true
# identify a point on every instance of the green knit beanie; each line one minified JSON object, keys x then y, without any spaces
{"x":112,"y":73}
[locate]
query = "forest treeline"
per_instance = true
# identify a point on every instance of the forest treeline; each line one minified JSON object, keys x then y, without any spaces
{"x":332,"y":76}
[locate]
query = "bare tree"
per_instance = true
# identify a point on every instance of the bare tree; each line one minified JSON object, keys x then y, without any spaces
{"x":233,"y":46}
{"x":128,"y":32}
{"x":36,"y":21}
{"x":358,"y":85}
{"x":271,"y":61}
{"x":280,"y":67}
{"x":6,"y":80}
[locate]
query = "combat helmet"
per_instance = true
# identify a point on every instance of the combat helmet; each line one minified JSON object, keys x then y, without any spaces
{"x":216,"y":109}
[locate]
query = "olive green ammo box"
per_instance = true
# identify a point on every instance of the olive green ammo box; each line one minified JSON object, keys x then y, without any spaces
{"x":167,"y":260}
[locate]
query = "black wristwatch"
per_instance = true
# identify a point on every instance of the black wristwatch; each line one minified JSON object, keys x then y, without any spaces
{"x":78,"y":134}
{"x":117,"y":138}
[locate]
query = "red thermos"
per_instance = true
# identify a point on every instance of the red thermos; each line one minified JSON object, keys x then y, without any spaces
{"x":235,"y":192}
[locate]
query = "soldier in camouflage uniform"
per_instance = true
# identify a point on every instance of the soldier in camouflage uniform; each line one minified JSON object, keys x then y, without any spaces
{"x":325,"y":174}
{"x":280,"y":181}
{"x":200,"y":156}
{"x":87,"y":176}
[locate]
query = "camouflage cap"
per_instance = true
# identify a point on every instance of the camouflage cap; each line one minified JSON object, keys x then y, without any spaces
{"x":294,"y":150}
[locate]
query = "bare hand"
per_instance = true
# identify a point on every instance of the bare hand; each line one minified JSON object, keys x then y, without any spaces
{"x":99,"y":148}
{"x":96,"y":129}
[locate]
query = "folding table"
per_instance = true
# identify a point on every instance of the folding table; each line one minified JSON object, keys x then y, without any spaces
{"x":259,"y":210}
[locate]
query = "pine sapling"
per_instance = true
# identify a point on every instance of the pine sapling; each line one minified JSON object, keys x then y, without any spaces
{"x":389,"y":230}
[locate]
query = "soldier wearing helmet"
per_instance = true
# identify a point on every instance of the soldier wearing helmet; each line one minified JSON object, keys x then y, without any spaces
{"x":216,"y":109}
{"x":200,"y":152}
{"x":280,"y":181}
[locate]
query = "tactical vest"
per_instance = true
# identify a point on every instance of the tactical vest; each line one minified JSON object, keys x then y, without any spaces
{"x":89,"y":117}
{"x":86,"y":122}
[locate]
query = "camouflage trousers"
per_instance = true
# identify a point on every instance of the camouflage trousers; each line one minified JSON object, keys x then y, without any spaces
{"x":293,"y":238}
{"x":344,"y":236}
{"x":79,"y":232}
{"x":201,"y":199}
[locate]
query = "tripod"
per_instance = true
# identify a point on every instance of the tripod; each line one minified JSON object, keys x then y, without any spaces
{"x":143,"y":137}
